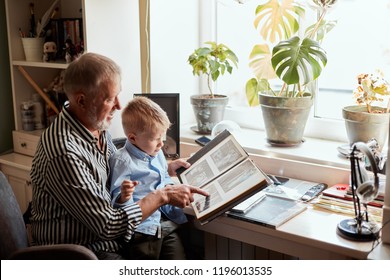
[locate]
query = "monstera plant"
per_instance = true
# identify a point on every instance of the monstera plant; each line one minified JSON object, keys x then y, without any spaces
{"x":292,"y":56}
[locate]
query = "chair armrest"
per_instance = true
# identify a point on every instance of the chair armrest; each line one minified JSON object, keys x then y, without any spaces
{"x":54,"y":252}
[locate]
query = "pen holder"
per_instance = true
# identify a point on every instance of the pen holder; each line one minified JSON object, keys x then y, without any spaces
{"x":33,"y":48}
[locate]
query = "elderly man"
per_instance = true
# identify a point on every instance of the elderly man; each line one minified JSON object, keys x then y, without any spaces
{"x":71,"y":202}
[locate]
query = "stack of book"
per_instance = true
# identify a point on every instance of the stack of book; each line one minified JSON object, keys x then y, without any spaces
{"x":339,"y":198}
{"x":344,"y":191}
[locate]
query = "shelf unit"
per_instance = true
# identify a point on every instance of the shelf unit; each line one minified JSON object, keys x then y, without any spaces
{"x":16,"y":165}
{"x":18,"y":17}
{"x":109,"y":27}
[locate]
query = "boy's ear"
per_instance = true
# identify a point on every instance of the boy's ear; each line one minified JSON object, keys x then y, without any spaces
{"x":131,"y":137}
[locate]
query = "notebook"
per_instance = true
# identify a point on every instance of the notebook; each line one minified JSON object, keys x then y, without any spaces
{"x":274,"y":205}
{"x":271,"y":211}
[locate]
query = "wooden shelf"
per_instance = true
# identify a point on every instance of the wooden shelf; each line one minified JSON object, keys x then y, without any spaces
{"x":54,"y":65}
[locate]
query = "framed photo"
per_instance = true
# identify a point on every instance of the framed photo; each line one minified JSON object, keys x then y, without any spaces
{"x":170,"y":103}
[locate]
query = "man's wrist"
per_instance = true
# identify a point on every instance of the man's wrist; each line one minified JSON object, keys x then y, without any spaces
{"x":163,"y":194}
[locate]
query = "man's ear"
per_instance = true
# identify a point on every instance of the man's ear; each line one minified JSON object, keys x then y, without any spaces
{"x":80,"y":100}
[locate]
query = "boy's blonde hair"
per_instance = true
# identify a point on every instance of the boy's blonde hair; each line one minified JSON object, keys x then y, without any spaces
{"x":142,"y":114}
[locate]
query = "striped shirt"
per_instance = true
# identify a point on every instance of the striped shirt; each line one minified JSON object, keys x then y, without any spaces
{"x":71,"y":201}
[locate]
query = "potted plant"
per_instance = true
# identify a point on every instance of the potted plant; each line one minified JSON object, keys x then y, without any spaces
{"x":365,"y":120}
{"x":212,"y":60}
{"x":297,"y":61}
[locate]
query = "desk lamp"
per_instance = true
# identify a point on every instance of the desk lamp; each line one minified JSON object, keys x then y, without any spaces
{"x":363,"y":191}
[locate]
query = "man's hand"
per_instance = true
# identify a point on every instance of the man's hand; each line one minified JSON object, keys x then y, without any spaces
{"x":176,"y":164}
{"x":176,"y":195}
{"x":181,"y":195}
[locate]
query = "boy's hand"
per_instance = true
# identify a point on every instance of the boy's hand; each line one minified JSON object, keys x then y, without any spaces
{"x":127,"y":189}
{"x":176,"y":164}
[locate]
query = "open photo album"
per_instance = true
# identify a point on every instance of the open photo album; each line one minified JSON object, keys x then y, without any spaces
{"x":224,"y":170}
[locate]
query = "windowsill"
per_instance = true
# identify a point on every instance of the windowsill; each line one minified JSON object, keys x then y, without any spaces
{"x":312,"y":151}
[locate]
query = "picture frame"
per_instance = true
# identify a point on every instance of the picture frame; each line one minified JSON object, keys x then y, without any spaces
{"x":170,"y":103}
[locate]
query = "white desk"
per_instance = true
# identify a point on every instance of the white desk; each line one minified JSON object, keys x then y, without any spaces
{"x":310,"y":235}
{"x":381,"y":252}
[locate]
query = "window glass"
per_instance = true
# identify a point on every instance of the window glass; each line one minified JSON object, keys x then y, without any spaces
{"x":359,"y":43}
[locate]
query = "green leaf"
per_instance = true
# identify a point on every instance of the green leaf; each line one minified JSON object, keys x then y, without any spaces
{"x":203,"y":52}
{"x":230,"y":55}
{"x":297,"y":62}
{"x":252,"y":94}
{"x":223,"y":68}
{"x":254,"y":87}
{"x":214,"y":65}
{"x":228,"y":67}
{"x":215,"y":75}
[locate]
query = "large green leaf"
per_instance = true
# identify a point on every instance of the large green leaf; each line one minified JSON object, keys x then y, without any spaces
{"x":278,"y":20}
{"x":298,"y":62}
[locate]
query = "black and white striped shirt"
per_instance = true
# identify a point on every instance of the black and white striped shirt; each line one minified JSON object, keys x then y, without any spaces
{"x":71,"y":202}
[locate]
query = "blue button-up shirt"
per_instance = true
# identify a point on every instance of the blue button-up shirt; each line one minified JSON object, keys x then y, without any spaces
{"x":151,"y":172}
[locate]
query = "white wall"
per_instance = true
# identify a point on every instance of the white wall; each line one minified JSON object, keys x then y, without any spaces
{"x":174,"y":34}
{"x":112,"y":29}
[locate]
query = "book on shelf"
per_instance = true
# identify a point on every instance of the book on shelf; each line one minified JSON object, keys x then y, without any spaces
{"x":62,"y":29}
{"x":224,"y":170}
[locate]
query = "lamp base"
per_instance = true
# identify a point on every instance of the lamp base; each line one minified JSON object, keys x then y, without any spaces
{"x":368,"y":231}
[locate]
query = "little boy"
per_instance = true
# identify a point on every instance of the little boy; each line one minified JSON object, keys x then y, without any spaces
{"x":139,"y":168}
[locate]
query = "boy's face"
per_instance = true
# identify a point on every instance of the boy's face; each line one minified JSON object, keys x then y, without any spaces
{"x":150,"y":142}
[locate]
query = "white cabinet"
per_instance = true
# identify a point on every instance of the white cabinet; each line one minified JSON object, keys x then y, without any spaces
{"x":16,"y":168}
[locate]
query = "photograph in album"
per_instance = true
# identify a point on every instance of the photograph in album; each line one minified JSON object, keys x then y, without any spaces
{"x":224,"y":170}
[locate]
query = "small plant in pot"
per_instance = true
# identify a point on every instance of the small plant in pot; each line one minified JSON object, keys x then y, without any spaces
{"x":294,"y":61}
{"x":212,"y":60}
{"x":367,"y":119}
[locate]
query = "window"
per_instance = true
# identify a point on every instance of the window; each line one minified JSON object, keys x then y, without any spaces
{"x":359,"y":43}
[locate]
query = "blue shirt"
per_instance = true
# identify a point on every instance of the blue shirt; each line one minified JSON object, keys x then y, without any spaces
{"x":151,"y":172}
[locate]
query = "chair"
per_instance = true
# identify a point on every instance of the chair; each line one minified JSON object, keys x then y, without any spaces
{"x":13,"y":234}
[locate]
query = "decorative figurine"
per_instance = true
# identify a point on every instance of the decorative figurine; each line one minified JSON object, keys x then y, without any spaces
{"x":70,"y":51}
{"x":49,"y":51}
